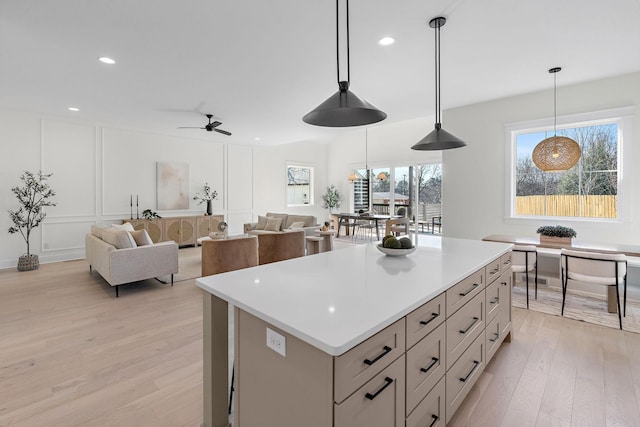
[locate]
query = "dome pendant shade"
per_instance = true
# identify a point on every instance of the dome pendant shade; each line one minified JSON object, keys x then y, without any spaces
{"x":557,"y":153}
{"x":438,"y":139}
{"x":344,"y":108}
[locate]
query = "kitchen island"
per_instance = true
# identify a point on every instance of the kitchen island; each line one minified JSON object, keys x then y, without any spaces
{"x":354,"y":337}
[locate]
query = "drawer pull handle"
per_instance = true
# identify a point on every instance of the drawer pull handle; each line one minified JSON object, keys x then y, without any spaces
{"x":475,"y":365}
{"x":431,"y":319}
{"x":434,"y":360}
{"x":388,"y":382}
{"x":435,"y":420}
{"x":507,"y":262}
{"x":504,"y":283}
{"x":495,"y":337}
{"x":494,"y":271}
{"x":464,"y":294}
{"x":494,"y":301}
{"x":386,"y":351}
{"x":464,"y":331}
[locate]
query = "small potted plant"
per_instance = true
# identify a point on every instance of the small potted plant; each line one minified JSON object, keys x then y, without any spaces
{"x":33,"y":196}
{"x":331,"y":198}
{"x":148,"y":214}
{"x":206,"y":196}
{"x":556,"y":234}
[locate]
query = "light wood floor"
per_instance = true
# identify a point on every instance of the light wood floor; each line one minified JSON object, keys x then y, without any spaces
{"x":71,"y":354}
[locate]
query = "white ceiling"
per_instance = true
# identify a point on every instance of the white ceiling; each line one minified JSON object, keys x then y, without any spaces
{"x":259,"y":65}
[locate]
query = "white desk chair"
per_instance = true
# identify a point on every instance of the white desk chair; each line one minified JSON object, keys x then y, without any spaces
{"x":594,"y":268}
{"x":523,"y":260}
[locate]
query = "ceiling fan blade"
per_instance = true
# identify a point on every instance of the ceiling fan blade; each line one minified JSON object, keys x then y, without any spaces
{"x":189,"y":127}
{"x":223,"y":132}
{"x":215,"y":124}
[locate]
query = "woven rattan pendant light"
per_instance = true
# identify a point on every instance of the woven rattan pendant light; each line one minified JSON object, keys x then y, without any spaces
{"x":557,"y":153}
{"x":343,"y":108}
{"x":438,"y":139}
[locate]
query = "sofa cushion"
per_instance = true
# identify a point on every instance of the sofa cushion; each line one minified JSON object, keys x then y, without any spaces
{"x":273,"y":224}
{"x":121,"y":239}
{"x":141,"y":237}
{"x":97,"y":230}
{"x":126,"y":226}
{"x":262,"y":223}
{"x":297,"y":224}
{"x":309,"y":220}
{"x":279,"y":215}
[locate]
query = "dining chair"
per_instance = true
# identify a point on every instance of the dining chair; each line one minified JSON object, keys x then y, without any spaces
{"x":364,"y":224}
{"x":595,"y":268}
{"x":524,"y":258}
{"x":397,"y":226}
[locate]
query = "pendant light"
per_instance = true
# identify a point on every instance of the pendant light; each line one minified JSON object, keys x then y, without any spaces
{"x":354,"y":177}
{"x":344,"y":108}
{"x":557,"y":153}
{"x":438,"y":139}
{"x":381,"y":176}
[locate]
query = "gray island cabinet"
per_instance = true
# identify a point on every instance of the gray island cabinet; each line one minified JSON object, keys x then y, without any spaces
{"x":356,"y":338}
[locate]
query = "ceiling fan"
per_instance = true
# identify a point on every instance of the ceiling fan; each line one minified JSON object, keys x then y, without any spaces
{"x":211,"y":126}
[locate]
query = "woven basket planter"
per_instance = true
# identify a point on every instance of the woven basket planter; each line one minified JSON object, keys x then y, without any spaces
{"x":557,"y":241}
{"x":28,"y":262}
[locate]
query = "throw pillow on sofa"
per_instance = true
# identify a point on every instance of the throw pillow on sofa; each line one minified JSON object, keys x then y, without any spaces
{"x":273,"y":224}
{"x":121,"y":239}
{"x":262,"y":223}
{"x":141,"y":237}
{"x":297,"y":224}
{"x":126,"y":226}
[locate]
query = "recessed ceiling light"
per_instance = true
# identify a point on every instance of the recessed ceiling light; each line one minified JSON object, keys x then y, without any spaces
{"x":74,"y":109}
{"x":106,"y":60}
{"x":386,"y":41}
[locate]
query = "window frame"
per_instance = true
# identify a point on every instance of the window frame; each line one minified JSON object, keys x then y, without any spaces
{"x":623,"y":117}
{"x":300,"y":165}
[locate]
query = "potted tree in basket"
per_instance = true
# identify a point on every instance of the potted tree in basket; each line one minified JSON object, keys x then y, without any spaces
{"x":331,"y":200}
{"x":556,"y":234}
{"x":33,"y":195}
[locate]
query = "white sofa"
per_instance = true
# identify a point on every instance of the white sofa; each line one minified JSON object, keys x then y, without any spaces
{"x":306,"y":223}
{"x":115,"y":254}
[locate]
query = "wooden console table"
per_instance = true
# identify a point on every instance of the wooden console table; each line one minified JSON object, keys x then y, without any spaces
{"x":184,"y":230}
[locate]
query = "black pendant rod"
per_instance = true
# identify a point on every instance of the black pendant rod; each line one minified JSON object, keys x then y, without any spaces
{"x":554,"y":71}
{"x":338,"y":43}
{"x":437,"y":47}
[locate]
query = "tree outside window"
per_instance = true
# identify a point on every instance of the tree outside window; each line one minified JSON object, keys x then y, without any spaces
{"x":589,"y":189}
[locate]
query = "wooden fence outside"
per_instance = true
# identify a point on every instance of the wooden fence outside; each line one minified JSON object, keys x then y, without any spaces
{"x":567,"y":205}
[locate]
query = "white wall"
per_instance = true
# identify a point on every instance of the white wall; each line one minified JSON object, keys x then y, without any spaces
{"x":97,"y":168}
{"x":474,"y":176}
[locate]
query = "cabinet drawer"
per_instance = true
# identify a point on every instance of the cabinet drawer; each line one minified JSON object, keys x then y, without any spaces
{"x":361,"y":363}
{"x":493,"y":270}
{"x":425,"y":319}
{"x":506,"y":262}
{"x":463,"y":375}
{"x":493,"y":336}
{"x":380,"y":402}
{"x":462,"y":292}
{"x":425,"y":366}
{"x":492,"y":300}
{"x":463,"y":327}
{"x":505,"y":296}
{"x":430,"y":412}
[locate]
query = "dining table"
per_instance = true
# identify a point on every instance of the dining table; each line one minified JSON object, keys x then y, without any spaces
{"x":351,"y":219}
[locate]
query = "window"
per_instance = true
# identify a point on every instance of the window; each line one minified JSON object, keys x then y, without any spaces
{"x":589,"y":190}
{"x":299,"y":185}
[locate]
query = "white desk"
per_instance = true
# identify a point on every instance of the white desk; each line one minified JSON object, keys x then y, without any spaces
{"x":332,"y":301}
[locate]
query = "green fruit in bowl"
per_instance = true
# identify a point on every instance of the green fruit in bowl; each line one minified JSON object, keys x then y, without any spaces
{"x":392,"y":243}
{"x":406,"y":243}
{"x":384,"y":239}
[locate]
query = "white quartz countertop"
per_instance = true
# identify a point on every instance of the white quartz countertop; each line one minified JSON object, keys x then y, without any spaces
{"x":335,"y":300}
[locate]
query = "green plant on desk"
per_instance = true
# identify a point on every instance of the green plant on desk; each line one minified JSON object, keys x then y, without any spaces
{"x":557,"y":231}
